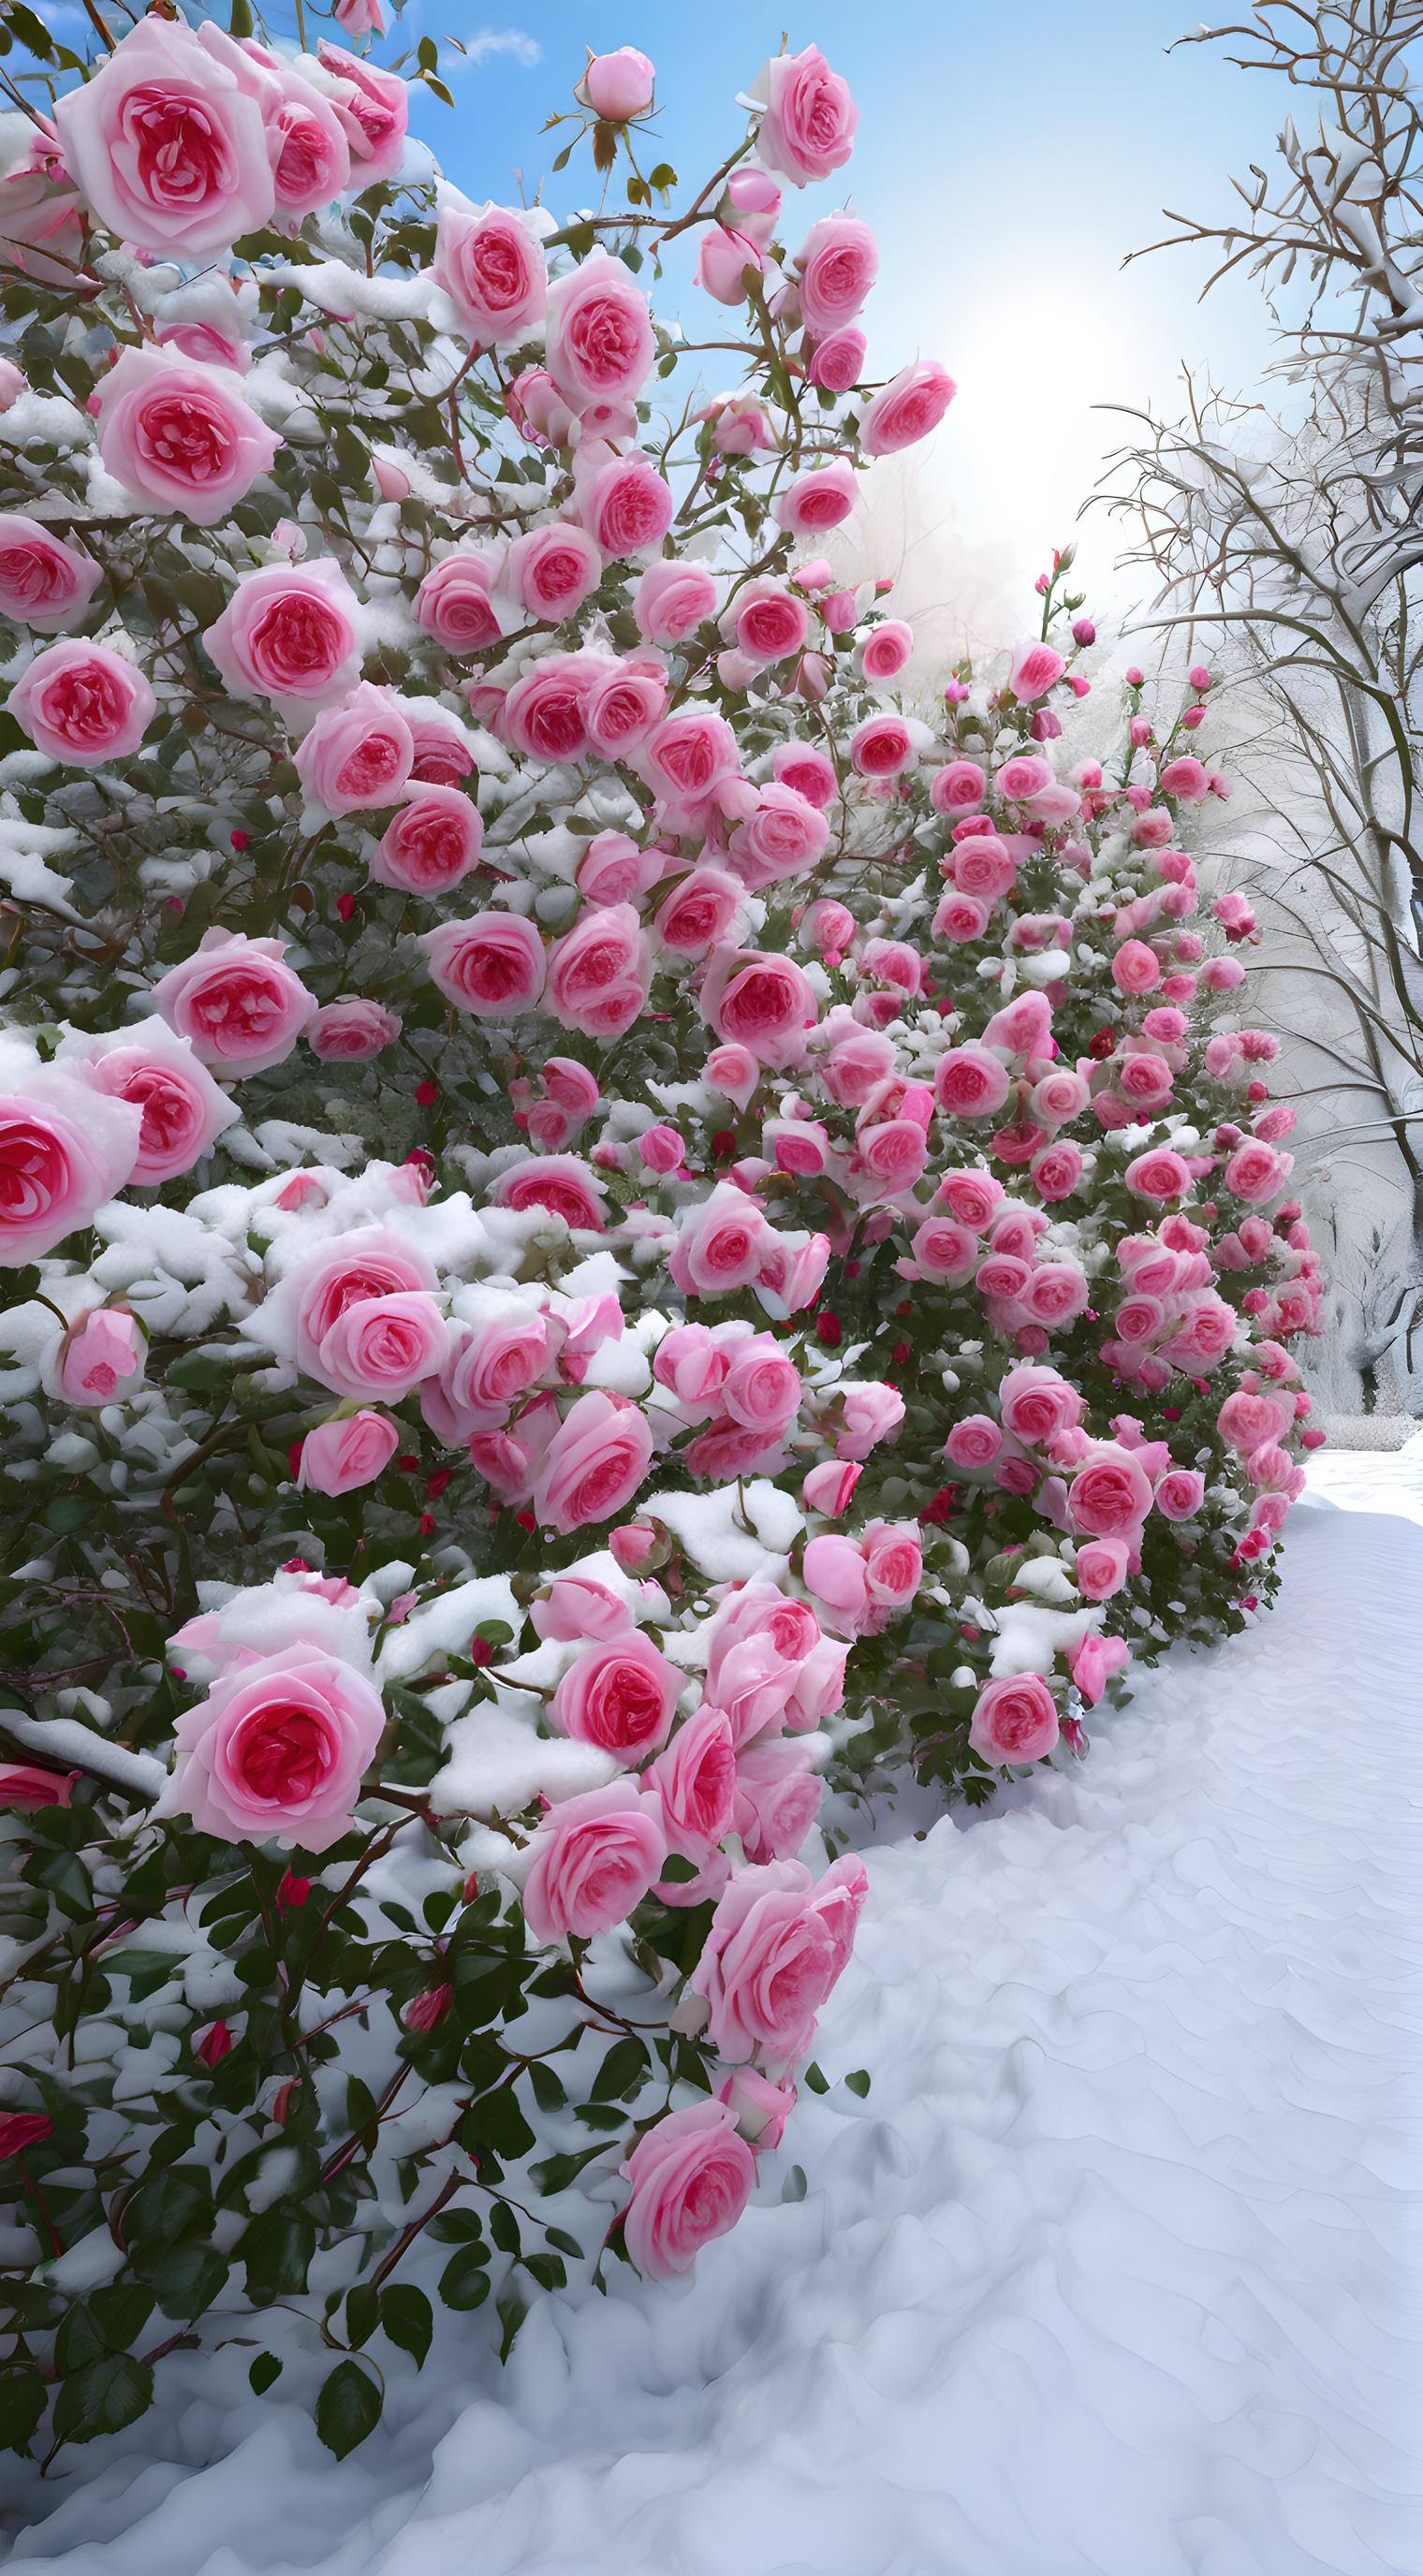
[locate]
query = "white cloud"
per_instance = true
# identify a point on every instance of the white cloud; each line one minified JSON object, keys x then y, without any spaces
{"x":474,"y":50}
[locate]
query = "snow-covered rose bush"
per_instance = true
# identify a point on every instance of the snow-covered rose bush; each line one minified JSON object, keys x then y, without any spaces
{"x":414,"y":1710}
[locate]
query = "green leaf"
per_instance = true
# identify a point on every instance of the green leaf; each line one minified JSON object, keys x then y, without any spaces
{"x":277,"y":2249}
{"x":240,"y":22}
{"x":362,"y":2312}
{"x":497,"y":2121}
{"x":31,"y":30}
{"x":348,"y":2408}
{"x":121,"y":2314}
{"x":22,"y":2404}
{"x":103,"y":2398}
{"x":264,"y":2370}
{"x":464,"y":2282}
{"x":186,"y":2277}
{"x":859,"y":2082}
{"x":408,"y":2318}
{"x":512,"y":2311}
{"x":816,"y":2082}
{"x":622,"y":2068}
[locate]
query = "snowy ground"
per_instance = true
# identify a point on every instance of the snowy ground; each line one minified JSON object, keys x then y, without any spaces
{"x":1106,"y":2277}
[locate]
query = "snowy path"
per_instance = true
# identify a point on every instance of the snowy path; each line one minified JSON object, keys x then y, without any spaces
{"x":1106,"y":2277}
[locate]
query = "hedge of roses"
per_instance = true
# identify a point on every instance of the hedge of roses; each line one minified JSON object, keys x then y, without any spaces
{"x":603,"y":1223}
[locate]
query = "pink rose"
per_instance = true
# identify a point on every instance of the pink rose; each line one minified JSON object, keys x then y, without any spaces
{"x":338,"y":1457}
{"x":686,"y":760}
{"x":383,"y":1346}
{"x":1102,"y":1565}
{"x":886,"y":650}
{"x":1180,"y":1494}
{"x":545,"y":713}
{"x":671,"y":600}
{"x":491,"y":964}
{"x":43,"y":582}
{"x":1035,"y":668}
{"x":781,"y":837}
{"x":352,"y":1030}
{"x":487,"y":1366}
{"x":599,"y":343}
{"x":364,"y":1267}
{"x":1135,"y":967}
{"x":83,"y":704}
{"x":179,"y":436}
{"x":1036,"y":1404}
{"x":593,"y":1465}
{"x":701,"y":912}
{"x":767,"y":622}
{"x":818,"y":500}
{"x":559,"y":1183}
{"x":551,"y":571}
{"x":808,"y":123}
{"x":453,"y":601}
{"x":182,"y":1108}
{"x":357,"y":754}
{"x":777,"y":1798}
{"x":431,"y":844}
{"x":622,"y":709}
{"x":958,"y":788}
{"x":1055,"y":1291}
{"x":1094,"y":1663}
{"x":307,"y":143}
{"x":594,"y":1859}
{"x":838,"y":263}
{"x":101,"y":1356}
{"x":277,"y":1750}
{"x":691,"y":2178}
{"x":576,"y":1607}
{"x":492,"y":269}
{"x":974,"y":1443}
{"x":763,"y":1002}
{"x":374,"y":108}
{"x":165,"y":147}
{"x":289,"y":632}
{"x":1014,"y":1720}
{"x":776,"y":1946}
{"x":1110,"y":1495}
{"x":906,"y":409}
{"x":883,"y":748}
{"x":599,"y":971}
{"x":837,"y":362}
{"x":620,"y":1695}
{"x":625,"y":504}
{"x":236,"y":1001}
{"x":720,"y":1243}
{"x":1159,"y":1174}
{"x":970,"y":1082}
{"x":1255,"y":1172}
{"x":944,"y":1250}
{"x":695,"y":1782}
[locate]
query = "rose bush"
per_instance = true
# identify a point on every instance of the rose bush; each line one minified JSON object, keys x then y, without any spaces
{"x":542,"y":1113}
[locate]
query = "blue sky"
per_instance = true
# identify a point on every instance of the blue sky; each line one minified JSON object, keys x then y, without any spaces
{"x":1007,"y":159}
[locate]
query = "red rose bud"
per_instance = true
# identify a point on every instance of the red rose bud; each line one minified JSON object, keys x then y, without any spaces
{"x":238,"y":840}
{"x":292,"y":1893}
{"x":215,"y":2044}
{"x":345,"y":905}
{"x":427,"y":1093}
{"x":424,"y":2011}
{"x":827,"y":1330}
{"x":21,"y":2129}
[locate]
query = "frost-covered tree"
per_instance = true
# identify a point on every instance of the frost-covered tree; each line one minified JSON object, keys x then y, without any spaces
{"x":1289,"y":536}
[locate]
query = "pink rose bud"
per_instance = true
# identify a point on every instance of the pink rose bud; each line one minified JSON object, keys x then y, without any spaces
{"x":102,"y":1355}
{"x":12,"y":383}
{"x":828,"y":1488}
{"x":634,"y":1546}
{"x":662,"y":1149}
{"x":1199,"y":677}
{"x":619,"y":85}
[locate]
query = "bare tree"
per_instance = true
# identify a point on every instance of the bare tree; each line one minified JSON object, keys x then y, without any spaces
{"x":1287,"y":537}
